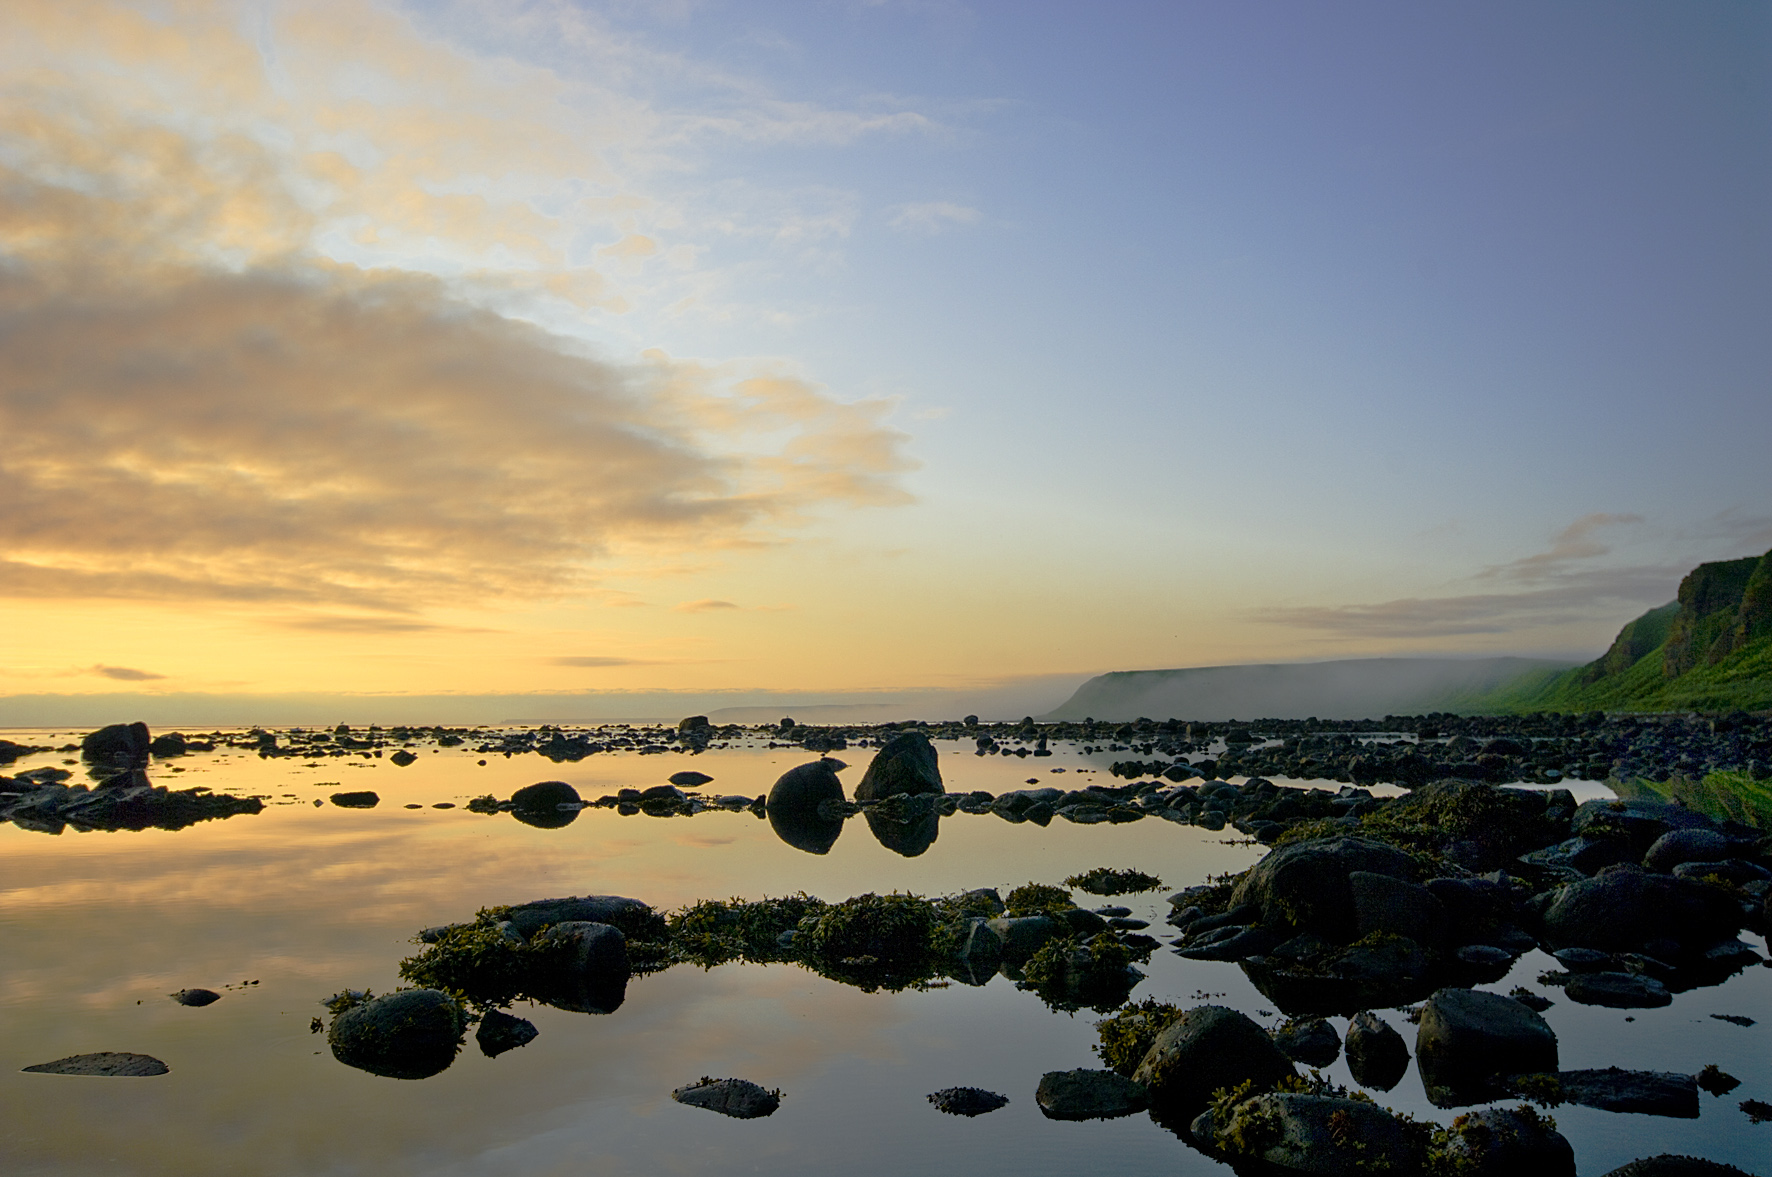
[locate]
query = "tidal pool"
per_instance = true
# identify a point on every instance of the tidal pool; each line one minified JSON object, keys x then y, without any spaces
{"x":280,"y":909}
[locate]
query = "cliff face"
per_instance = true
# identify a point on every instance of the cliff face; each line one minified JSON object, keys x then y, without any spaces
{"x":1710,"y":624}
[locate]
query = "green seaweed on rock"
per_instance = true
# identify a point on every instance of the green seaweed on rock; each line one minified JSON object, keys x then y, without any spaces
{"x":1109,"y":881}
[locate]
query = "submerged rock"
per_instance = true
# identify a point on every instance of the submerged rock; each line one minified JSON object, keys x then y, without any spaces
{"x":412,"y":1034}
{"x":1089,"y":1095}
{"x":966,"y":1101}
{"x":500,"y":1032}
{"x":1206,"y":1048}
{"x":110,"y":1064}
{"x":1654,"y":1093}
{"x":739,"y":1098}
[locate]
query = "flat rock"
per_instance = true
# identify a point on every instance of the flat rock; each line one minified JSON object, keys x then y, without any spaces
{"x":1089,"y":1095}
{"x":360,"y":799}
{"x":1617,"y":990}
{"x":966,"y":1101}
{"x":107,"y":1063}
{"x":197,"y":997}
{"x":739,"y":1098}
{"x":689,"y":779}
{"x":1669,"y":1165}
{"x":1653,"y":1093}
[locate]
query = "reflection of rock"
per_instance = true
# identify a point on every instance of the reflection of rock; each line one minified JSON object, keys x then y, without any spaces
{"x":978,"y":951}
{"x":500,"y":1032}
{"x":412,"y":1034}
{"x":591,"y":976}
{"x":907,"y":763}
{"x":1377,"y":1056}
{"x":126,"y":801}
{"x":739,"y":1098}
{"x":1088,"y":1095}
{"x":966,"y":1101}
{"x":110,"y":1064}
{"x":909,"y":838}
{"x":539,"y":804}
{"x":1206,"y":1048}
{"x":1503,"y":1142}
{"x":1654,"y":1093}
{"x":792,"y":807}
{"x":1468,"y":1038}
{"x":1296,"y":1133}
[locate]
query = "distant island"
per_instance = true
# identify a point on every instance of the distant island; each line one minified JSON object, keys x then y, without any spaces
{"x":1710,"y":649}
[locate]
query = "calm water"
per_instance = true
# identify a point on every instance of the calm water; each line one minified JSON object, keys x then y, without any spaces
{"x":97,"y":928}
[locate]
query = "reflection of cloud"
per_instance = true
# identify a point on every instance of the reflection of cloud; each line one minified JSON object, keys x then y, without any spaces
{"x":592,"y":661}
{"x":932,"y":216}
{"x":127,"y":673}
{"x":195,"y":403}
{"x":703,"y":606}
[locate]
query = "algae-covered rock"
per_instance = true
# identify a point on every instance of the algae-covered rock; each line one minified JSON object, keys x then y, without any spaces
{"x":1377,"y":1056}
{"x":1508,"y":1142}
{"x":1311,"y":1041}
{"x":1088,"y":1095}
{"x":1299,"y":1133}
{"x":1206,"y":1048}
{"x":412,"y":1034}
{"x":966,"y":1101}
{"x":739,"y":1098}
{"x":1304,"y":886}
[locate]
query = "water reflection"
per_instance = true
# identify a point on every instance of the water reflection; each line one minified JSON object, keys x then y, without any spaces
{"x":909,"y":838}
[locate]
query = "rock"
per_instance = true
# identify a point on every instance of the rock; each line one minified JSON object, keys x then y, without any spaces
{"x":1698,"y":845}
{"x":694,"y":723}
{"x":1022,"y":936}
{"x":196,"y":997}
{"x":111,"y":1064}
{"x":402,"y":758}
{"x":978,"y":951}
{"x":1736,"y":871}
{"x":539,"y":805}
{"x":966,"y":1101}
{"x":1311,"y":1041}
{"x":500,"y":1032}
{"x":1081,"y":923}
{"x":1641,"y":822}
{"x":689,"y":779}
{"x":168,"y":745}
{"x":1484,"y":956}
{"x":1503,"y":1142}
{"x":1669,"y":1165}
{"x":1623,"y":908}
{"x":1584,"y":960}
{"x":360,"y":799}
{"x":1206,"y":1048}
{"x":1088,"y":1095}
{"x":792,"y":807}
{"x":1467,"y":1038}
{"x":907,"y":763}
{"x":618,"y":911}
{"x":1654,"y":1093}
{"x":739,"y":1098}
{"x":1296,"y":1133}
{"x":1582,"y":855}
{"x":120,"y":743}
{"x":1377,"y":1057}
{"x":1386,"y":904}
{"x":1305,"y":886}
{"x":1617,"y":990}
{"x":412,"y":1034}
{"x":592,"y":975}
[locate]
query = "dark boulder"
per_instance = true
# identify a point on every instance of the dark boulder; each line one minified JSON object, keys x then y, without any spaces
{"x":1640,"y":822}
{"x":1623,"y":908}
{"x":739,"y":1098}
{"x":1506,"y":1142}
{"x":1296,"y":1133}
{"x":1617,"y":990}
{"x":119,"y":744}
{"x":907,"y":763}
{"x":793,"y":806}
{"x":633,"y":917}
{"x":499,"y":1032}
{"x":1386,"y":904}
{"x":1311,"y":1041}
{"x":1088,"y":1095}
{"x":966,"y":1101}
{"x":1583,"y":855}
{"x":539,"y":805}
{"x":1486,"y":826}
{"x":169,"y":745}
{"x":1377,"y":1056}
{"x":1700,"y":845}
{"x":1305,"y":886}
{"x":412,"y":1034}
{"x":106,"y":1064}
{"x":1206,"y":1048}
{"x":1468,"y":1038}
{"x":1022,"y":936}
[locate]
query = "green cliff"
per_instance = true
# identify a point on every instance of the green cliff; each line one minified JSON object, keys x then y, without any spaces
{"x":1709,"y":650}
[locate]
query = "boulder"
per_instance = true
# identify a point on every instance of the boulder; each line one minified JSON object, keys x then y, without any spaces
{"x":618,"y":911}
{"x":499,"y":1032}
{"x":1678,"y":846}
{"x":1377,"y":1057}
{"x":169,"y":745}
{"x":1468,"y":1038}
{"x":978,"y":950}
{"x":412,"y":1034}
{"x":591,"y":973}
{"x":356,"y":799}
{"x":1623,"y":908}
{"x":1311,"y":1041}
{"x":1617,"y":990}
{"x":739,"y":1098}
{"x":793,"y":806}
{"x":196,"y":997}
{"x":539,"y":805}
{"x":1504,"y":1142}
{"x":1654,"y":1093}
{"x":1582,"y":855}
{"x":1088,"y":1095}
{"x":1305,"y":886}
{"x":1296,"y":1133}
{"x":966,"y":1101}
{"x":1669,"y":1165}
{"x":1207,"y":1047}
{"x":1639,"y":821}
{"x":907,"y":763}
{"x":689,"y":779}
{"x":1022,"y":936}
{"x":107,"y":1064}
{"x":120,"y":744}
{"x":1386,"y":904}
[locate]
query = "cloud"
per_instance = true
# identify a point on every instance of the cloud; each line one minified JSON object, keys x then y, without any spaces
{"x":704,"y":606}
{"x":207,"y":392}
{"x":931,"y":217}
{"x":373,"y":625}
{"x":127,"y":674}
{"x":1574,"y":543}
{"x":593,"y":661}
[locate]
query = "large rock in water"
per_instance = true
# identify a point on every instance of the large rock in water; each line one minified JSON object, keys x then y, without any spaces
{"x":108,"y":1064}
{"x":539,"y":805}
{"x":1377,"y":1057}
{"x":907,"y":763}
{"x":1088,"y":1095}
{"x":412,"y":1034}
{"x":1296,"y":1133}
{"x":1305,"y":886}
{"x":618,"y":911}
{"x":793,"y":806}
{"x":1468,"y":1038}
{"x":1624,"y":907}
{"x":739,"y":1098}
{"x":1505,"y":1142}
{"x":120,"y":744}
{"x":591,"y":974}
{"x":1680,"y":846}
{"x":1208,"y":1047}
{"x":1311,"y":1041}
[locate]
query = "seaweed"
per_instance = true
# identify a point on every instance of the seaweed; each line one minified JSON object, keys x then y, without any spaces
{"x":1038,"y":899}
{"x":1108,"y":881}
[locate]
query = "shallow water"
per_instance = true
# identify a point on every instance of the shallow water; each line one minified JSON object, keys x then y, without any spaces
{"x":98,"y":928}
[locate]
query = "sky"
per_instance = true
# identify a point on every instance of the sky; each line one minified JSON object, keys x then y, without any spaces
{"x":623,"y":355}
